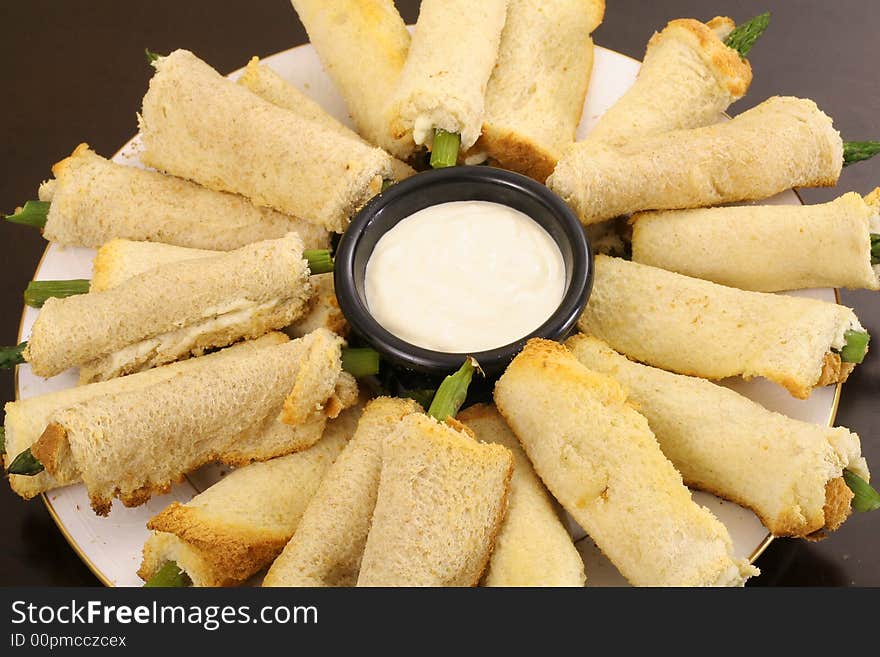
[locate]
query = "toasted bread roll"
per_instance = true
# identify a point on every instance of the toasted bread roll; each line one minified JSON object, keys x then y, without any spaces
{"x":443,"y":82}
{"x":26,"y":419}
{"x":237,"y":527}
{"x":766,"y":248}
{"x":172,"y":311}
{"x":536,"y":93}
{"x":780,"y":144}
{"x":688,"y":78}
{"x":695,"y":327}
{"x":728,"y":445}
{"x":598,"y":457}
{"x":94,"y":201}
{"x":268,"y":85}
{"x":441,"y":501}
{"x":362,"y":45}
{"x":133,"y":443}
{"x":328,"y":545}
{"x":533,"y":547}
{"x":198,"y":125}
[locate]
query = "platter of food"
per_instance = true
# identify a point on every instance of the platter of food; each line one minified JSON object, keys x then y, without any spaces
{"x":183,"y":458}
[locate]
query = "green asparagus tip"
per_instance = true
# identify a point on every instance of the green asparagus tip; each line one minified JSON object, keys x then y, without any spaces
{"x":32,"y":214}
{"x":422,"y":396}
{"x":875,"y":249}
{"x":151,"y":56}
{"x":3,"y":439}
{"x":453,"y":391}
{"x":12,"y":356}
{"x":744,"y":36}
{"x":320,"y":261}
{"x":360,"y":362}
{"x":37,"y":292}
{"x":865,"y":498}
{"x":445,"y":150}
{"x":858,"y":151}
{"x":25,"y":464}
{"x":387,"y":183}
{"x":169,"y":575}
{"x":856,"y":346}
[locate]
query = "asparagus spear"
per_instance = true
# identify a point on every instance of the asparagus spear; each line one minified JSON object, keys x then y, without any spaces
{"x":858,"y":151}
{"x":743,"y":37}
{"x":866,"y":498}
{"x":856,"y":346}
{"x":360,"y":362}
{"x":151,"y":56}
{"x":169,"y":575}
{"x":320,"y":261}
{"x":445,"y":150}
{"x":38,"y":291}
{"x":875,"y":249}
{"x":11,"y":356}
{"x":2,"y":440}
{"x":452,"y":392}
{"x":32,"y":214}
{"x":25,"y":464}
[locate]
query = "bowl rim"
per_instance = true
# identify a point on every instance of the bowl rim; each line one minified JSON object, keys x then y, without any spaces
{"x":400,"y":352}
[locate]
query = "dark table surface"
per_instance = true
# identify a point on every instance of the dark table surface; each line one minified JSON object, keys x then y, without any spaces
{"x":75,"y":71}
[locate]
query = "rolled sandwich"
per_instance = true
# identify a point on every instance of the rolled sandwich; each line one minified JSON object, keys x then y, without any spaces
{"x":328,"y":545}
{"x":121,"y":260}
{"x":201,"y":126}
{"x":533,"y":547}
{"x":688,"y":78}
{"x":94,"y":201}
{"x":132,"y":444}
{"x":26,"y":419}
{"x":268,"y":85}
{"x":536,"y":93}
{"x":440,"y":504}
{"x":695,"y":327}
{"x":362,"y":45}
{"x":443,"y":87}
{"x":782,"y":143}
{"x":790,"y":473}
{"x":234,"y":529}
{"x":767,"y":247}
{"x":600,"y":459}
{"x":172,"y":311}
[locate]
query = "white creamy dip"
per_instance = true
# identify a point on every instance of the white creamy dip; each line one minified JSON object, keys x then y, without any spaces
{"x":464,"y":276}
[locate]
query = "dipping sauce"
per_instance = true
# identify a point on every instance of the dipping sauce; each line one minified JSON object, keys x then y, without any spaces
{"x":464,"y":276}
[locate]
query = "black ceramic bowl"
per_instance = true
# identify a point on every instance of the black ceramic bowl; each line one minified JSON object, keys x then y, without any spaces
{"x":461,"y":183}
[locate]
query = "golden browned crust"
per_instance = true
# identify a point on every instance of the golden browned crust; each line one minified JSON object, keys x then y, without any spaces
{"x":516,"y":152}
{"x":60,"y":167}
{"x":834,"y":370}
{"x":49,"y":447}
{"x":838,"y":506}
{"x":499,"y":520}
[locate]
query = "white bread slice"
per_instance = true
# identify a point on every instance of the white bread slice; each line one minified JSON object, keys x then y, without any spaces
{"x":782,"y":143}
{"x":443,"y":82}
{"x":327,"y":547}
{"x":690,"y":326}
{"x":536,"y":93}
{"x":237,"y":527}
{"x":131,"y":444}
{"x":765,"y":248}
{"x":441,"y":501}
{"x":362,"y":45}
{"x":598,"y":457}
{"x":201,"y":126}
{"x":726,"y":444}
{"x":94,"y":201}
{"x":26,"y":419}
{"x":172,"y":311}
{"x":688,"y":78}
{"x":533,"y":547}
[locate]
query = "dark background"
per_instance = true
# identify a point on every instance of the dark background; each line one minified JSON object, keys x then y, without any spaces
{"x":75,"y":71}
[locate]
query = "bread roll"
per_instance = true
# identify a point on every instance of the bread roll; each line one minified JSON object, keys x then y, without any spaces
{"x":199,"y":125}
{"x":441,"y":501}
{"x":268,"y":85}
{"x":695,"y":327}
{"x":94,"y":201}
{"x":766,"y":248}
{"x":780,"y":144}
{"x":444,"y":79}
{"x":26,"y":419}
{"x":533,"y":547}
{"x":598,"y":457}
{"x":327,"y":547}
{"x":362,"y":45}
{"x":172,"y":311}
{"x":688,"y":78}
{"x":536,"y":93}
{"x":132,"y":444}
{"x":788,"y":472}
{"x":235,"y":528}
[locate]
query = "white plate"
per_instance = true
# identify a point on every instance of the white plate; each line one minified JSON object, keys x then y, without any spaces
{"x":111,"y":546}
